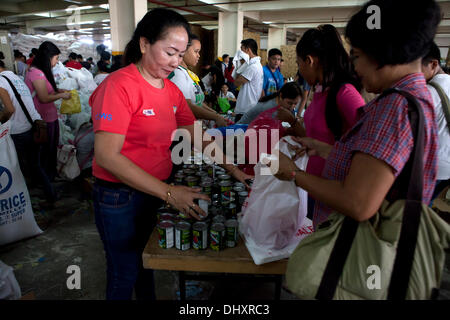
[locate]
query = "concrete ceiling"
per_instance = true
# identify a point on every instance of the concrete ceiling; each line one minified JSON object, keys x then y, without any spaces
{"x":33,"y":16}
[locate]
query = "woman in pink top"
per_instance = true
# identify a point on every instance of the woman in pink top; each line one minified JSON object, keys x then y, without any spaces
{"x":325,"y":65}
{"x":41,"y":83}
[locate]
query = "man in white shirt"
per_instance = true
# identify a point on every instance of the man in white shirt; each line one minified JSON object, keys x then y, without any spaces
{"x":434,"y":74}
{"x":250,"y":77}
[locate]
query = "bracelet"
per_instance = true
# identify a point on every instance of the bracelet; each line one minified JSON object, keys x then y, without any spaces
{"x":294,"y":174}
{"x":169,"y":195}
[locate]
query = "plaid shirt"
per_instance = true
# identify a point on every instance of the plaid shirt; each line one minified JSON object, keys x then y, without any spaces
{"x":383,"y":131}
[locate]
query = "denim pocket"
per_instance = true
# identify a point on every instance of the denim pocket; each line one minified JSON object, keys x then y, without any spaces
{"x":113,"y":198}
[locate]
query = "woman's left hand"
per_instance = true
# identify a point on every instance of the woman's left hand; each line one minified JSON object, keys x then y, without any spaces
{"x":285,"y":115}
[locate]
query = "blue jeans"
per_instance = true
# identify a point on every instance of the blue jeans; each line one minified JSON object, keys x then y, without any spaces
{"x":125,"y":219}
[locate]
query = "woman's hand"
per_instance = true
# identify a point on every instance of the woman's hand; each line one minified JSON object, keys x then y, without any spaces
{"x":286,"y":168}
{"x":65,"y":95}
{"x":285,"y":115}
{"x":241,"y":176}
{"x":221,"y":121}
{"x":182,"y":198}
{"x":314,"y":147}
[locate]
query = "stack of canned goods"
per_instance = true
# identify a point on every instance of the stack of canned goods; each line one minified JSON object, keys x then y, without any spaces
{"x":182,"y":233}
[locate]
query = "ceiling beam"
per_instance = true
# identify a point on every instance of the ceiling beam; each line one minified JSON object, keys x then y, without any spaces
{"x":63,"y":21}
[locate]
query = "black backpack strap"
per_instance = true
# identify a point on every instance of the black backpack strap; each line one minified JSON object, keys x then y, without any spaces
{"x":410,"y":226}
{"x":19,"y":98}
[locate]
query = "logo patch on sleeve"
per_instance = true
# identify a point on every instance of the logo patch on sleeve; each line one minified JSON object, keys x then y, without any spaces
{"x":174,"y":109}
{"x":148,"y":112}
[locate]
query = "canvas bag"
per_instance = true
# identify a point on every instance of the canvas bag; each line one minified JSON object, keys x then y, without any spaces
{"x":16,"y":213}
{"x":405,"y":240}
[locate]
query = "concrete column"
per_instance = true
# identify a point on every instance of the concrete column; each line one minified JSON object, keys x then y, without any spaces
{"x":6,"y":48}
{"x":231,"y":29}
{"x":276,"y":38}
{"x":124,"y":16}
{"x":29,"y":28}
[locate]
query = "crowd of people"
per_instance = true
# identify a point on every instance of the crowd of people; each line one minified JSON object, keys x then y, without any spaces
{"x":356,"y":148}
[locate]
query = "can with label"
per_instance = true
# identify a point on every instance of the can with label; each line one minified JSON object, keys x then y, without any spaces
{"x":224,"y":177}
{"x":199,"y":236}
{"x":206,"y":187}
{"x":209,"y":170}
{"x":165,"y":234}
{"x":201,"y":174}
{"x":167,"y":216}
{"x":231,"y":211}
{"x":238,"y":189}
{"x":193,"y":166}
{"x":183,"y":235}
{"x":242,"y":196}
{"x":219,"y":219}
{"x":204,"y":205}
{"x":192,"y":181}
{"x":179,"y":178}
{"x":217,"y":236}
{"x":231,"y":227}
{"x":189,"y":172}
{"x":239,"y":184}
{"x":225,"y":191}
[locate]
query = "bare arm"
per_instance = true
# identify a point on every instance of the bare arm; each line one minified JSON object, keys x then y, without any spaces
{"x":240,"y":80}
{"x":43,"y":95}
{"x":206,"y":113}
{"x":359,"y":196}
{"x":107,"y":148}
{"x":9,"y":107}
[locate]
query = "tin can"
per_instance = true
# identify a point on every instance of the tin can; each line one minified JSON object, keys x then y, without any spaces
{"x":204,"y":205}
{"x":219,"y":219}
{"x":209,"y":170}
{"x":217,"y":236}
{"x":179,"y":178}
{"x":193,"y":166}
{"x":239,"y":184}
{"x":192,"y":181}
{"x":225,"y":191}
{"x":238,"y":189}
{"x":224,"y":177}
{"x":167,"y":217}
{"x":206,"y":187}
{"x":200,"y":236}
{"x":207,"y":179}
{"x":231,"y":211}
{"x":183,"y":235}
{"x":201,"y":174}
{"x":189,"y":172}
{"x":165,"y":234}
{"x":231,"y":227}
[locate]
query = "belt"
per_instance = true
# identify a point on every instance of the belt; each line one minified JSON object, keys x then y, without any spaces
{"x":111,"y":185}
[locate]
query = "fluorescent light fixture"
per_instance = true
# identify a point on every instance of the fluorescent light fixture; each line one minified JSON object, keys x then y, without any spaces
{"x":106,"y":20}
{"x":106,"y":28}
{"x":81,"y":22}
{"x":210,"y":27}
{"x":74,"y":8}
{"x":267,"y":22}
{"x":43,"y":14}
{"x":104,"y":6}
{"x":107,"y":43}
{"x":73,"y":1}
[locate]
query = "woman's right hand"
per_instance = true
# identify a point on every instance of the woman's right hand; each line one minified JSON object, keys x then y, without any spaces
{"x":314,"y":147}
{"x":221,"y":121}
{"x":65,"y":95}
{"x":182,"y":198}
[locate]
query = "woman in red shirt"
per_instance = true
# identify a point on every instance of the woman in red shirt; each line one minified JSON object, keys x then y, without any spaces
{"x":135,"y":111}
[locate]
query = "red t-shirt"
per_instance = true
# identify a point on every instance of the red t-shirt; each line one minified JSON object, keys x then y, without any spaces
{"x":29,"y":61}
{"x":74,"y":64}
{"x":126,"y":104}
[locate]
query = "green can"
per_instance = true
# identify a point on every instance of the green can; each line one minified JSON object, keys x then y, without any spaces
{"x":189,"y":172}
{"x":192,"y":181}
{"x":179,"y":178}
{"x":165,"y":234}
{"x":225,"y":192}
{"x":223,"y":177}
{"x":217,"y":237}
{"x":202,"y":174}
{"x":219,"y":219}
{"x":231,"y":227}
{"x":200,"y":236}
{"x":183,"y":235}
{"x":206,"y":187}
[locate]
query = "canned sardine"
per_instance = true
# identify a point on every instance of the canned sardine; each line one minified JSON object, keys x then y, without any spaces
{"x":183,"y":235}
{"x":231,"y":226}
{"x":217,"y":237}
{"x":200,"y":236}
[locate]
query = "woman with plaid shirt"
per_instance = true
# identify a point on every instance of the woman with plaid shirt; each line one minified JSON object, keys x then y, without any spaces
{"x":362,"y":166}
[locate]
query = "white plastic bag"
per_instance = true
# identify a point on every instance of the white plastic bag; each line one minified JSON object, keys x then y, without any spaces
{"x":67,"y":166}
{"x":275,"y":209}
{"x":9,"y":287}
{"x":16,"y":213}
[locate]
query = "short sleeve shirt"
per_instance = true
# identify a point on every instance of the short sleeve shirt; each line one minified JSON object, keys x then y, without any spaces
{"x":47,"y":111}
{"x":251,"y":91}
{"x":125,"y":103}
{"x":191,"y":89}
{"x":384,"y":132}
{"x":273,"y":81}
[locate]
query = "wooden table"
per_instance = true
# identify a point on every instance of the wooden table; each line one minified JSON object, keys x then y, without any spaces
{"x":235,"y":260}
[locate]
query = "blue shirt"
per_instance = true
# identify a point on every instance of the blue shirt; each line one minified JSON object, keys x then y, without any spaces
{"x":272,"y":81}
